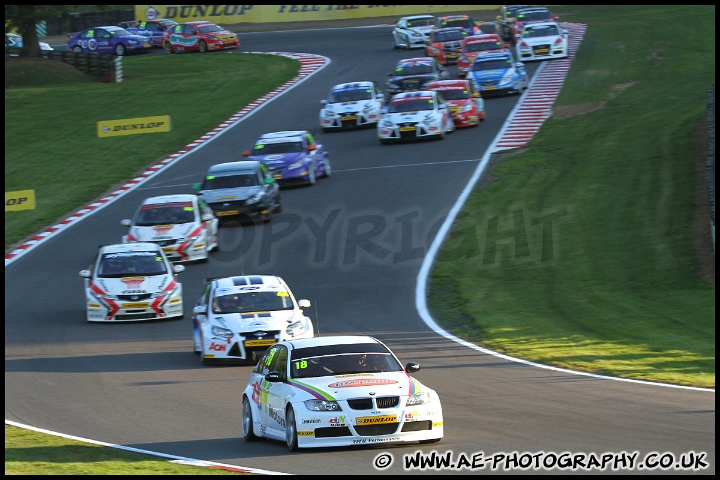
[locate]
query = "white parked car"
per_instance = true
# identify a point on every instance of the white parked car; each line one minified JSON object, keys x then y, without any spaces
{"x":183,"y":225}
{"x":413,"y":31}
{"x":130,"y":282}
{"x":338,"y":391}
{"x":349,"y":105}
{"x":238,"y":318}
{"x":415,"y":115}
{"x":541,"y":41}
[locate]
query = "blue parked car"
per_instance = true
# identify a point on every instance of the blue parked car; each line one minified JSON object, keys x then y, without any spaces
{"x":292,"y":157}
{"x":497,"y":73}
{"x":150,"y":28}
{"x":112,"y":40}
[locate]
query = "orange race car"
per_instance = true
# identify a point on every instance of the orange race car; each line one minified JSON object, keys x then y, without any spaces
{"x":466,"y":105}
{"x":444,"y":44}
{"x":473,"y":46}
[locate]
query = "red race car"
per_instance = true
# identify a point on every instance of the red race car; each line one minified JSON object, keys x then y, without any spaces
{"x":466,"y":105}
{"x":473,"y":46}
{"x":198,"y":36}
{"x":444,"y":44}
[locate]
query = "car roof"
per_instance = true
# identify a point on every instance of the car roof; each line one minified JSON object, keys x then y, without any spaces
{"x":129,"y":247}
{"x":418,"y":17}
{"x":200,"y":22}
{"x":239,"y":284}
{"x":455,"y":17}
{"x":352,"y":85}
{"x":413,"y":95}
{"x":241,"y":166}
{"x":493,"y":56}
{"x":485,"y":37}
{"x":332,"y":340}
{"x":177,"y":197}
{"x":415,"y":61}
{"x":449,"y":29}
{"x":286,"y":133}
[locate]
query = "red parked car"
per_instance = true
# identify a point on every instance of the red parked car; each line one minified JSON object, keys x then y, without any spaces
{"x":472,"y":46}
{"x":198,"y":36}
{"x":466,"y":105}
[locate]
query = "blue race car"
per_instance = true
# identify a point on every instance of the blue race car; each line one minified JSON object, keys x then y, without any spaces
{"x":150,"y":28}
{"x":292,"y":157}
{"x":111,"y":39}
{"x":498,"y":73}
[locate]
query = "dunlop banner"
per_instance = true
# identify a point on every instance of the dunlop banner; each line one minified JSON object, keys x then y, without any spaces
{"x":232,"y":14}
{"x":133,"y":126}
{"x":20,"y":200}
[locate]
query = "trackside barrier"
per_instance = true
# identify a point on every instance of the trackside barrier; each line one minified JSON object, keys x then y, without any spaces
{"x":710,"y":159}
{"x":101,"y":66}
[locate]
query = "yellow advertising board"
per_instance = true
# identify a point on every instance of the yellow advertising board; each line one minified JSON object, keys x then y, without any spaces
{"x":232,"y":14}
{"x":20,"y":200}
{"x":133,"y":126}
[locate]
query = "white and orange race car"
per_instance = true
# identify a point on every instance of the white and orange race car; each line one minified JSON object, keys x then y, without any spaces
{"x":183,"y":225}
{"x":130,"y":282}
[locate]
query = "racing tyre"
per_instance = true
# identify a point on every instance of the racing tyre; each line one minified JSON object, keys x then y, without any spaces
{"x":167,"y":46}
{"x":328,"y":168}
{"x":312,"y":178}
{"x":77,"y":49}
{"x":290,"y":430}
{"x":120,"y":49}
{"x":247,"y":422}
{"x":202,"y":46}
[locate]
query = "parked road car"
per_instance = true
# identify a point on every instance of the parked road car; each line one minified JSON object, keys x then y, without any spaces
{"x":292,"y":157}
{"x":238,"y":318}
{"x":338,"y":391}
{"x":466,"y":105}
{"x":111,"y":39}
{"x":499,"y":73}
{"x":183,"y":225}
{"x":244,"y":190}
{"x":415,"y":115}
{"x":412,"y":74}
{"x":198,"y":36}
{"x":14,"y":44}
{"x":155,"y":29}
{"x":130,"y":282}
{"x":445,"y":44}
{"x":541,"y":41}
{"x":461,"y":21}
{"x":474,"y":45}
{"x":412,"y":31}
{"x":527,"y":15}
{"x":350,"y":105}
{"x":505,"y":20}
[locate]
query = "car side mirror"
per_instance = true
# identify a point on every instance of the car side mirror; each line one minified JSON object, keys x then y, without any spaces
{"x":269,"y":181}
{"x":273,"y":377}
{"x":200,"y":310}
{"x":323,"y":102}
{"x":246,"y":153}
{"x":304,"y":303}
{"x":85,"y":273}
{"x":312,"y":147}
{"x":412,"y":367}
{"x":206,"y":217}
{"x":476,"y":95}
{"x":178,"y":268}
{"x":196,"y":186}
{"x":126,"y":222}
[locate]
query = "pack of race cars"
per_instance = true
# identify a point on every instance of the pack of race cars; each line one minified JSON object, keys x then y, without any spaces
{"x":337,"y":390}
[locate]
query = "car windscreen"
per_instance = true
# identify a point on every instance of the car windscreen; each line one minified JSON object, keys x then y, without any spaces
{"x":277,"y":147}
{"x":349,"y":95}
{"x":461,"y":23}
{"x":423,"y":22}
{"x":401,"y":106}
{"x":482,"y":46}
{"x":541,"y":31}
{"x":119,"y":32}
{"x":165,"y":213}
{"x":410,"y":69}
{"x":491,"y":65}
{"x":255,"y":301}
{"x":344,"y":364}
{"x":131,"y":264}
{"x":216,"y":182}
{"x":210,"y":28}
{"x":454,"y":94}
{"x":533,"y":15}
{"x":450,"y":36}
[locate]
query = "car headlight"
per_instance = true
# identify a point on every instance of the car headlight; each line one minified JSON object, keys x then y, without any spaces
{"x":387,"y":123}
{"x":418,"y":399}
{"x":132,"y":42}
{"x":171,"y":293}
{"x":221,"y":332}
{"x":254,"y":198}
{"x":466,"y":108}
{"x":322,"y":406}
{"x":508,"y":76}
{"x":296,"y":328}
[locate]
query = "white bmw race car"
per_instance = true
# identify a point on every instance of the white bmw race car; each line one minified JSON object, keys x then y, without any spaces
{"x":130,"y":282}
{"x":415,"y":115}
{"x":348,"y":105}
{"x":413,"y":31}
{"x":183,"y":225}
{"x":338,"y":391}
{"x":238,"y":318}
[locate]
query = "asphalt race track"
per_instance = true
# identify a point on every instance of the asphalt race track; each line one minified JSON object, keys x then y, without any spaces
{"x":354,"y":245}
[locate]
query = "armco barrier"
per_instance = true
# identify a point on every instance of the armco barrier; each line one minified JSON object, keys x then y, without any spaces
{"x":104,"y":67}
